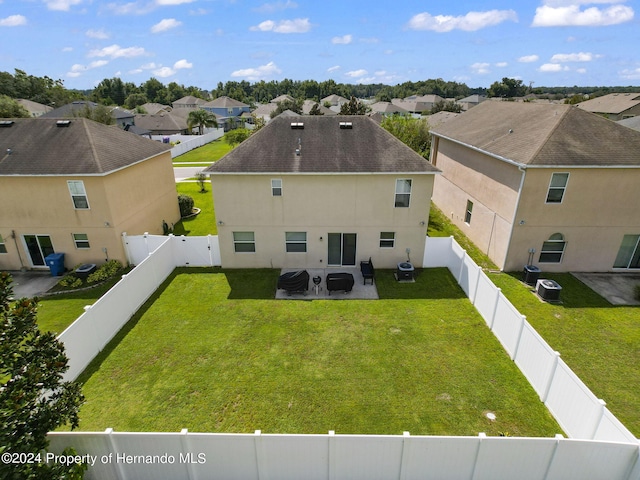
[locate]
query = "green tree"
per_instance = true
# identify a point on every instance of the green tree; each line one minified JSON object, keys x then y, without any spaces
{"x":315,"y":110}
{"x":239,"y":135}
{"x":414,"y":132}
{"x":34,"y":399}
{"x":507,"y":88}
{"x":258,"y":123}
{"x":354,"y":107}
{"x":201,"y":118}
{"x":446,"y":106}
{"x":293,"y":105}
{"x":135,"y":100}
{"x":9,"y":108}
{"x":99,"y":113}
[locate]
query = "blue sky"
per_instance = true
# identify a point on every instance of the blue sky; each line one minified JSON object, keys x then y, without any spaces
{"x":203,"y":42}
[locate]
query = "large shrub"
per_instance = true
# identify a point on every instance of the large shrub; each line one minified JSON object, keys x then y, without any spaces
{"x":185,"y":202}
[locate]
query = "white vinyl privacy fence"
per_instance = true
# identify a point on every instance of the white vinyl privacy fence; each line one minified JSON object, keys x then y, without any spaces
{"x":599,"y":447}
{"x":189,"y":142}
{"x":196,"y":456}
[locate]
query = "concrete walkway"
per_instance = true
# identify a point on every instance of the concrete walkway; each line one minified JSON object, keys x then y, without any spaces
{"x":359,"y":292}
{"x":617,"y":288}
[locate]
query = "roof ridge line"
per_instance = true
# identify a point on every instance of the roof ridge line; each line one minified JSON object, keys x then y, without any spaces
{"x":85,"y":124}
{"x":548,"y":136}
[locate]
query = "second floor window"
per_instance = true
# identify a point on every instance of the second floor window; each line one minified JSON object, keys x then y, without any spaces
{"x":557,"y":186}
{"x":276,"y":187}
{"x":403,"y":192}
{"x":78,"y":194}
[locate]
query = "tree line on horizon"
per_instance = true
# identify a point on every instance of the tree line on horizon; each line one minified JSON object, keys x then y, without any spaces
{"x":113,"y":91}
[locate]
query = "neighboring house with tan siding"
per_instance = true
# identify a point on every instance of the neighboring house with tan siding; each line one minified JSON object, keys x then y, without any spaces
{"x":315,"y":191}
{"x":74,"y":186}
{"x":549,"y":185}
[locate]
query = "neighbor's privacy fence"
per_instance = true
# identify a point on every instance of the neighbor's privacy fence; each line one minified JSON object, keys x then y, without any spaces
{"x":600,"y":447}
{"x":189,"y":142}
{"x":196,"y":456}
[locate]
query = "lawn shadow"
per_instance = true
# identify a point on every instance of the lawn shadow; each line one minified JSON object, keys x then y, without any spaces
{"x":574,"y":293}
{"x":256,"y":284}
{"x":430,"y":284}
{"x":96,"y":363}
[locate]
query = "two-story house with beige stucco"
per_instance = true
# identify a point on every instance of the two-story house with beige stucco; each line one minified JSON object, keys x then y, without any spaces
{"x":316,"y":191}
{"x":549,"y":185}
{"x":73,"y":186}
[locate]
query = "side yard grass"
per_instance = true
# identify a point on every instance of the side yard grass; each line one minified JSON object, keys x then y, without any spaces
{"x":599,"y":342}
{"x":208,"y":153}
{"x":205,"y":222}
{"x":215,"y":353}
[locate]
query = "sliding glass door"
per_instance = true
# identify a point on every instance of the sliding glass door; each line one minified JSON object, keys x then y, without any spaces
{"x":39,"y":247}
{"x":342,"y":249}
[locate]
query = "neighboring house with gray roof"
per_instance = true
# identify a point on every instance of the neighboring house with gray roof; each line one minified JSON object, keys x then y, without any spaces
{"x":153,"y":108}
{"x":163,"y":123}
{"x":121,"y":117}
{"x":34,"y":108}
{"x":614,"y":106}
{"x":632,"y":122}
{"x":549,"y":185}
{"x":188,"y":102}
{"x":307,"y":106}
{"x":388,"y":108}
{"x":74,"y":186}
{"x":316,"y":191}
{"x":228,"y":111}
{"x":471,"y":101}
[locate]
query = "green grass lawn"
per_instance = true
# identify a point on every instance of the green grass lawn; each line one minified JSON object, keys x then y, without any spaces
{"x":57,"y":312}
{"x":215,"y":353}
{"x":599,"y":342}
{"x":205,"y":222}
{"x":207,"y":153}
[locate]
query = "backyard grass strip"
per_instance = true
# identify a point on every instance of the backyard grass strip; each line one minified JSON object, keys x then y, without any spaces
{"x":215,"y":353}
{"x":208,"y":153}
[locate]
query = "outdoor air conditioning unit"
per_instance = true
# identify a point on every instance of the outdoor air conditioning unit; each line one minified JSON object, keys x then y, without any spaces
{"x":548,"y":290}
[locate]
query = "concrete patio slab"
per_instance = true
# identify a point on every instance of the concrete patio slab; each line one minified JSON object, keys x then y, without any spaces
{"x":359,"y":292}
{"x":32,"y":283}
{"x":617,"y":288}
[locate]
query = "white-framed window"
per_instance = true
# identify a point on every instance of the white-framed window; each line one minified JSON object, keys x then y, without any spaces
{"x":78,"y":194}
{"x":276,"y":187}
{"x":387,"y":239}
{"x":468,"y":212}
{"x":403,"y":192}
{"x":629,"y":252}
{"x":557,"y":186}
{"x":3,"y":247}
{"x":81,"y":240}
{"x":296,"y":242}
{"x":244,"y":242}
{"x":553,"y":249}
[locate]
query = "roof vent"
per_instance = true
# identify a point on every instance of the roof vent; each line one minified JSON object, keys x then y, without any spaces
{"x":345,"y":125}
{"x":63,"y":123}
{"x":297,"y":125}
{"x":6,"y":123}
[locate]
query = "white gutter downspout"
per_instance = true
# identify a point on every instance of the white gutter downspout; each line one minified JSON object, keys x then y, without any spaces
{"x":522,"y":169}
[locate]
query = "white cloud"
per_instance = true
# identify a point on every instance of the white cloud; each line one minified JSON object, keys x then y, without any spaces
{"x":502,"y":64}
{"x":470,"y":22}
{"x":99,"y":34}
{"x":581,"y":70}
{"x":343,"y":40}
{"x":297,"y":25}
{"x":480,"y":68}
{"x":276,"y":6}
{"x":78,"y":69}
{"x":164,"y":72}
{"x":13,"y":21}
{"x":165,"y":24}
{"x":63,"y":5}
{"x":573,"y":57}
{"x":629,"y":74}
{"x":333,"y":69}
{"x":115,"y":51}
{"x":553,"y":67}
{"x":180,"y":64}
{"x":356,"y":73}
{"x":172,"y":2}
{"x":571,"y":15}
{"x":67,"y":49}
{"x":257,"y":73}
{"x":529,"y":59}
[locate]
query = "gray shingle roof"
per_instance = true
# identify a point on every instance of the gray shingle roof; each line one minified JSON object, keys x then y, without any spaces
{"x":544,"y":135}
{"x":39,"y":147}
{"x":324,"y":148}
{"x":225,"y":102}
{"x":614,"y":103}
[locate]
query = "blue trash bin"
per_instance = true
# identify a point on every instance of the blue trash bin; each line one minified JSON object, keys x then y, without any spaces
{"x":55,"y":262}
